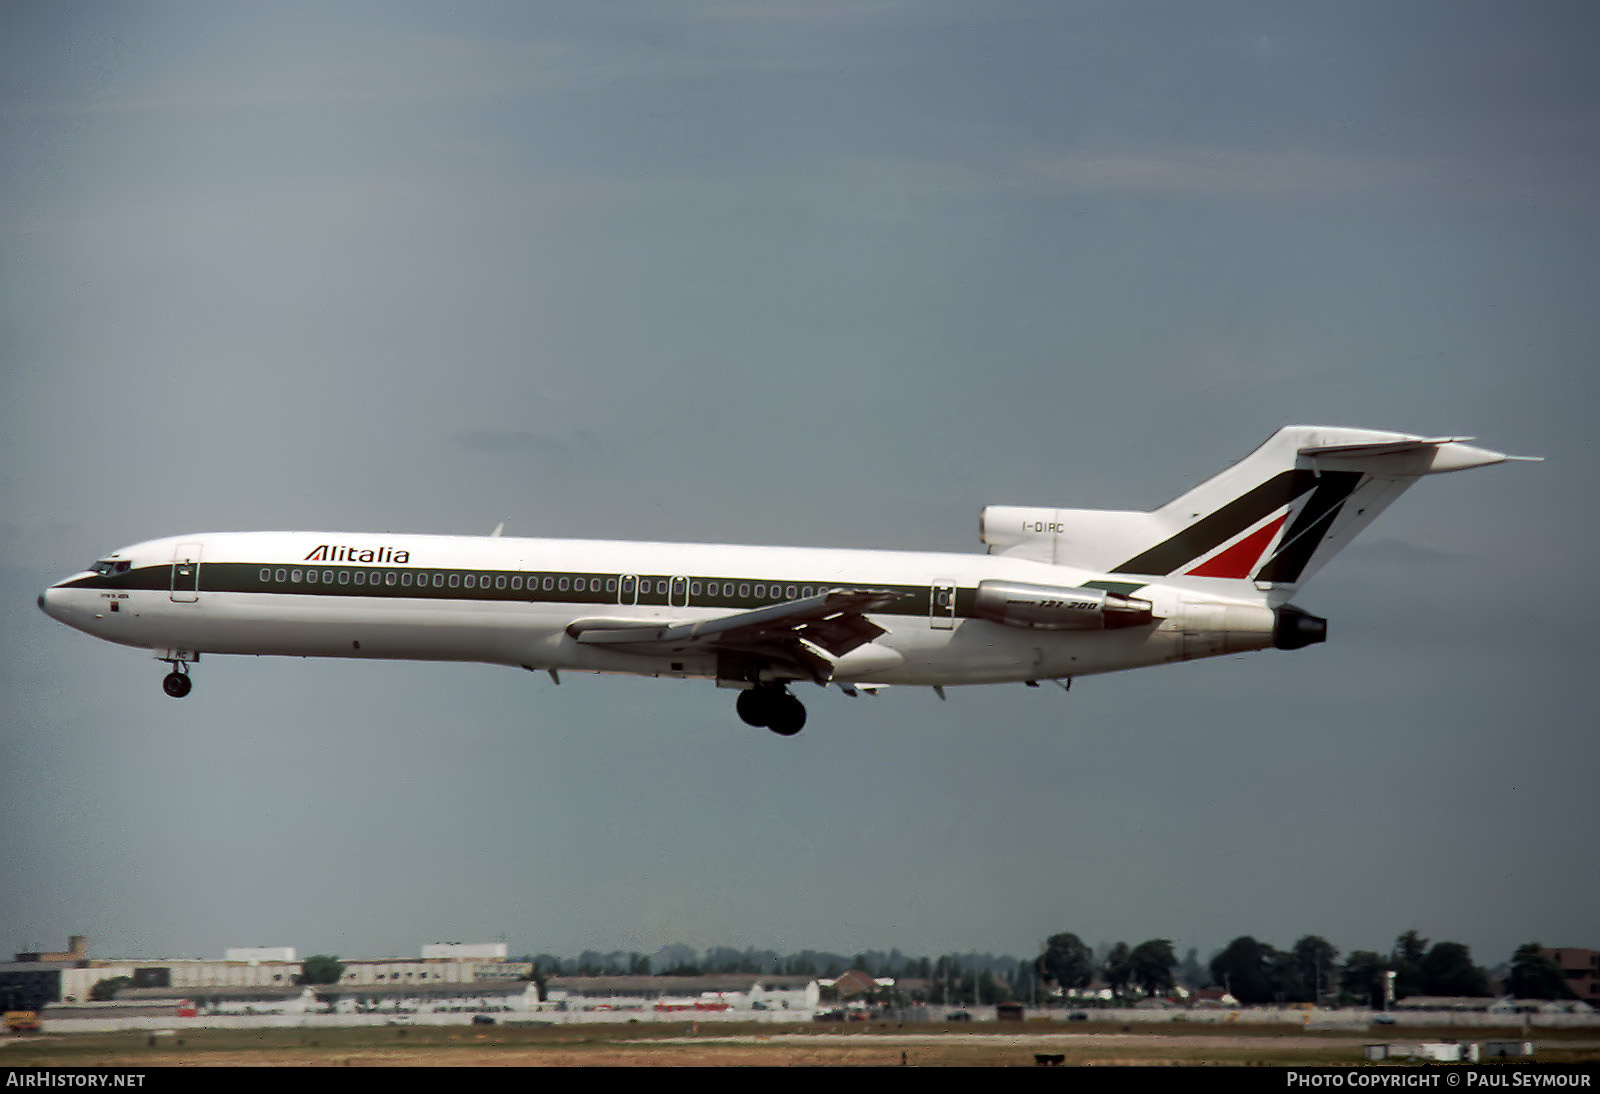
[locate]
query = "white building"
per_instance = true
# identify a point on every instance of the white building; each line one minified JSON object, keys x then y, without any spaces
{"x":464,"y":951}
{"x":258,"y":954}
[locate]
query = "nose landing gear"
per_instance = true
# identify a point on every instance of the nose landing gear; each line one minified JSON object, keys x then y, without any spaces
{"x":772,"y":707}
{"x":177,"y":683}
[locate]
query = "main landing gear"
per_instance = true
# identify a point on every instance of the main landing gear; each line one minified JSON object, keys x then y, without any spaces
{"x":177,"y":683}
{"x":771,"y":706}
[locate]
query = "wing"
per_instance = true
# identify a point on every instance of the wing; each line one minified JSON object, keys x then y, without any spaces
{"x":806,"y":636}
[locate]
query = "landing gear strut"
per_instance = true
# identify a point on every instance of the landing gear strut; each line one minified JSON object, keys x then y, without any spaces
{"x":177,"y":683}
{"x":771,"y":706}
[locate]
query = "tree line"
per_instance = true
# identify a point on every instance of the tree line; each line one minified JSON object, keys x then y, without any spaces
{"x":1308,"y":972}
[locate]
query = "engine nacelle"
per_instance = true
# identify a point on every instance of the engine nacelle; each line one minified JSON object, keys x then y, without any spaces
{"x":1058,"y":608}
{"x":1005,"y":526}
{"x":1095,"y":539}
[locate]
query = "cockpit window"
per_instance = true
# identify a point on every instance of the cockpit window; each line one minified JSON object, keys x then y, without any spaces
{"x":110,"y":566}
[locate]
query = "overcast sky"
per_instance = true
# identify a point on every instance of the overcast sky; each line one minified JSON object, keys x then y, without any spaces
{"x":815,"y":273}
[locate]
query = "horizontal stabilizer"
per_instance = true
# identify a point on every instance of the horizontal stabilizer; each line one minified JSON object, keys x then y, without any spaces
{"x":1412,"y":456}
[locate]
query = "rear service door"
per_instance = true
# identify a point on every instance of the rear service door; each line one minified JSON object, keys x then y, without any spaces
{"x":942,"y":607}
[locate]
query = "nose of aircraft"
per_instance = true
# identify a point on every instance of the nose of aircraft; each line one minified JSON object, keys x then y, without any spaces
{"x":47,"y":604}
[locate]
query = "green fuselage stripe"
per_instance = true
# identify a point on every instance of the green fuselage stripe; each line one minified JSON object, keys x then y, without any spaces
{"x":432,"y":583}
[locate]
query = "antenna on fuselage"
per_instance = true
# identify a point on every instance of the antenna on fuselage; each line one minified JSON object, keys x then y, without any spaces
{"x":498,"y":528}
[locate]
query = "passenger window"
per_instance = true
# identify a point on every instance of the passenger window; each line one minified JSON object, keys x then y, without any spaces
{"x":500,"y":581}
{"x":471,"y":580}
{"x":390,"y":578}
{"x":455,"y":581}
{"x":283,"y":575}
{"x":361,"y":578}
{"x":344,"y":577}
{"x":516,"y":582}
{"x":266,"y":575}
{"x":294,"y":576}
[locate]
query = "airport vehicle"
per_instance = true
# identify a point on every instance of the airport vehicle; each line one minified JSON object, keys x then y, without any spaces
{"x":1062,"y":593}
{"x":22,"y":1021}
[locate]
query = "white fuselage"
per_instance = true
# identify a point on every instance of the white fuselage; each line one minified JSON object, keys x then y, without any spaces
{"x":516,"y":601}
{"x":1070,"y":592}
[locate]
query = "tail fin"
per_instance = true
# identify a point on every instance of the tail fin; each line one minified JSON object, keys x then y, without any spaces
{"x":1274,"y":518}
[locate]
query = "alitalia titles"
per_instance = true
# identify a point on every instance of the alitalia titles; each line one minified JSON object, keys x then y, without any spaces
{"x":331,"y":552}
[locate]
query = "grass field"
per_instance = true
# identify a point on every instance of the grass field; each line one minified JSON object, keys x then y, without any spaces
{"x":738,"y":1045}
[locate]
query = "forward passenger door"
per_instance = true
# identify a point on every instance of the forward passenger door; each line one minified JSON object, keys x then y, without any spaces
{"x":186,"y":573}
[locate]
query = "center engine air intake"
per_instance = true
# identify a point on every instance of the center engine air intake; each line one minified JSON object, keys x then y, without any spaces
{"x":1057,"y":608}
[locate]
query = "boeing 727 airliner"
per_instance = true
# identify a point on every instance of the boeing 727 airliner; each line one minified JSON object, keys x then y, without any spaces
{"x":1061,"y":593}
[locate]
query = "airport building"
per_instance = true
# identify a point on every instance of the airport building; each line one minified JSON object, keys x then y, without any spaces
{"x":1581,"y":970}
{"x":263,"y":982}
{"x":257,"y":972}
{"x":465,"y":951}
{"x":260,"y":953}
{"x":721,"y":993}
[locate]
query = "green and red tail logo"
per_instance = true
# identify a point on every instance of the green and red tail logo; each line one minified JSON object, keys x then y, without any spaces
{"x":1245,"y":546}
